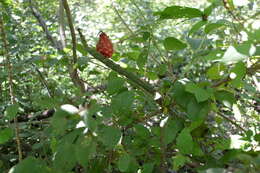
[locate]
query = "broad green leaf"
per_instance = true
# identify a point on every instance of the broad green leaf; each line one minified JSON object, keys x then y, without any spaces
{"x":177,"y":12}
{"x":196,"y":27}
{"x":115,"y":85}
{"x":124,"y":162}
{"x":246,"y":49}
{"x":197,"y":150}
{"x":162,"y":69}
{"x":90,"y":121}
{"x":217,"y":71}
{"x":152,"y":75}
{"x":59,"y":121}
{"x":122,"y":102}
{"x":212,"y":26}
{"x":179,"y":161}
{"x":200,"y":93}
{"x":142,"y":131}
{"x":148,"y":168}
{"x":185,"y":142}
{"x":109,"y":136}
{"x":172,"y":43}
{"x":171,"y":129}
{"x":237,"y":73}
{"x":85,"y":150}
{"x":197,"y":111}
{"x":180,"y":95}
{"x":11,"y":111}
{"x":65,"y":158}
{"x":31,"y":164}
{"x":214,"y":54}
{"x":232,"y":56}
{"x":225,"y":98}
{"x":5,"y":135}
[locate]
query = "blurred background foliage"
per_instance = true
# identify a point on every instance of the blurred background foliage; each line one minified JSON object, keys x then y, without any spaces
{"x":201,"y":58}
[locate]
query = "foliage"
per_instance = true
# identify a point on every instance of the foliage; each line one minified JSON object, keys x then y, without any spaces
{"x":181,"y":93}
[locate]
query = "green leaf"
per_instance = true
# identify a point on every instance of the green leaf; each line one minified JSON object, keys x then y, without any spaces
{"x":214,"y":54}
{"x":177,"y":12}
{"x":197,"y":111}
{"x":180,"y":95}
{"x":197,"y":150}
{"x":110,"y":136}
{"x":47,"y":102}
{"x":85,"y":150}
{"x":246,"y":49}
{"x":196,"y":27}
{"x":115,"y":84}
{"x":65,"y":158}
{"x":5,"y":135}
{"x":11,"y":111}
{"x":232,"y":56}
{"x":124,"y":162}
{"x":170,"y":130}
{"x":212,"y":26}
{"x":133,"y":55}
{"x":172,"y":43}
{"x":237,"y":73}
{"x":225,"y":98}
{"x":90,"y":121}
{"x":179,"y":161}
{"x":81,"y":49}
{"x":122,"y":102}
{"x":162,"y":69}
{"x":200,"y":93}
{"x":209,"y":9}
{"x":142,"y":131}
{"x":146,"y":35}
{"x":142,"y":59}
{"x":185,"y":142}
{"x":217,"y":71}
{"x":148,"y":168}
{"x":31,"y":164}
{"x":59,"y":121}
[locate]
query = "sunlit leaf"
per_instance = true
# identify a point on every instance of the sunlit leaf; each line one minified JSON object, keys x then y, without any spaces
{"x":177,"y":12}
{"x":11,"y":111}
{"x":5,"y":135}
{"x":172,"y":43}
{"x":185,"y":142}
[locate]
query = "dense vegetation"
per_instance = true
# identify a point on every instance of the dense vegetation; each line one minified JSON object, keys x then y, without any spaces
{"x":179,"y":94}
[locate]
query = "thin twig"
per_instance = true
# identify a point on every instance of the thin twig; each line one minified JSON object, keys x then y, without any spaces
{"x":231,"y":121}
{"x":42,"y":79}
{"x":122,"y":20}
{"x":11,"y":88}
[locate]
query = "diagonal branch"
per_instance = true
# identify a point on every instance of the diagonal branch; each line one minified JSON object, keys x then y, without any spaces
{"x":42,"y":23}
{"x":72,"y":71}
{"x":142,"y":84}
